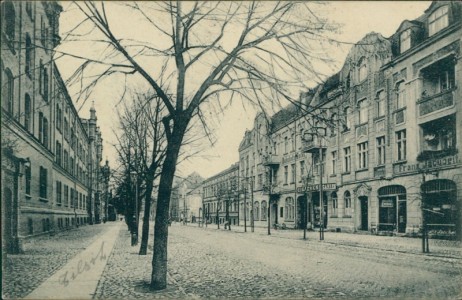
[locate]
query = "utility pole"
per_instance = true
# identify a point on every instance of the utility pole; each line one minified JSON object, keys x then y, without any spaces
{"x":321,"y":204}
{"x":245,"y":207}
{"x":251,"y":206}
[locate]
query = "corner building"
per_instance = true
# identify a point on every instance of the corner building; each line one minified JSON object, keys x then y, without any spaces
{"x":384,"y":132}
{"x":50,"y":156}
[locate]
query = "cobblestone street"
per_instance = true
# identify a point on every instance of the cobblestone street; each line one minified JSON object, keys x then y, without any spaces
{"x":211,"y":263}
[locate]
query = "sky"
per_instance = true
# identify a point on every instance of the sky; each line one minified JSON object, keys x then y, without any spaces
{"x":356,"y":19}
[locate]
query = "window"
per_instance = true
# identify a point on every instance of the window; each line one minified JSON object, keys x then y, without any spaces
{"x":263,"y":210}
{"x":405,"y":40}
{"x":362,"y":70}
{"x":362,"y":113}
{"x":281,"y":212}
{"x":286,"y":145}
{"x":40,"y":131}
{"x":362,"y":155}
{"x":334,"y":204}
{"x":317,"y":163}
{"x":28,"y":176}
{"x":347,"y":159}
{"x":302,"y":168}
{"x":65,"y":160}
{"x":9,"y":91}
{"x":401,"y":145}
{"x":260,"y":180}
{"x":59,"y":117}
{"x":58,"y":153}
{"x":27,"y":112}
{"x":381,"y":104}
{"x":43,"y":181}
{"x":292,"y":172}
{"x":290,"y":209}
{"x":438,"y":20}
{"x":292,"y":141}
{"x":275,"y":148}
{"x":9,"y":17}
{"x":66,"y":195}
{"x":28,"y":66}
{"x":45,"y":132}
{"x":58,"y":193}
{"x":43,"y":30}
{"x":256,"y":211}
{"x":400,"y":95}
{"x":45,"y":84}
{"x":334,"y":162}
{"x":29,"y":9}
{"x":286,"y":174}
{"x":347,"y":124}
{"x":380,"y":150}
{"x":347,"y":206}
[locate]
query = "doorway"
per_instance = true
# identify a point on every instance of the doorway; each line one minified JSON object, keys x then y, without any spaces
{"x":363,"y":200}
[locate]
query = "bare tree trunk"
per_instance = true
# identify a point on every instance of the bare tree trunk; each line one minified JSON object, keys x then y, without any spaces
{"x":159,"y":259}
{"x":147,"y":211}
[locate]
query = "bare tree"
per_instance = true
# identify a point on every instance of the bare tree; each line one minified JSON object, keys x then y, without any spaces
{"x":202,"y":55}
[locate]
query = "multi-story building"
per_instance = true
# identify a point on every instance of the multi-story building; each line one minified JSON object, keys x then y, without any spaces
{"x":220,"y":197}
{"x":379,"y":138}
{"x":50,"y":157}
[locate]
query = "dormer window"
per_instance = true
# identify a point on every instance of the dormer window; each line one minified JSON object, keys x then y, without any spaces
{"x":438,"y":20}
{"x":405,"y":41}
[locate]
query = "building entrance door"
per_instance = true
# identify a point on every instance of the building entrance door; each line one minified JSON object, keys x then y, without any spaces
{"x":364,"y":213}
{"x":301,"y":212}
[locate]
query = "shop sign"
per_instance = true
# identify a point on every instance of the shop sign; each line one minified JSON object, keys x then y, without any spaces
{"x":427,"y":165}
{"x":387,"y":203}
{"x":315,"y":188}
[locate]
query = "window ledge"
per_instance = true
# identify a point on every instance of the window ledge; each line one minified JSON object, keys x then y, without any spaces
{"x":398,"y":162}
{"x":399,"y":109}
{"x":346,"y":217}
{"x":346,"y":173}
{"x":334,"y":217}
{"x":28,"y":197}
{"x":361,"y":170}
{"x":379,"y":118}
{"x":43,"y":199}
{"x":333,"y":175}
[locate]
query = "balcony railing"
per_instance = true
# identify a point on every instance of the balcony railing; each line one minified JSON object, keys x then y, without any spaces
{"x":311,"y":146}
{"x":429,"y":104}
{"x":271,"y":160}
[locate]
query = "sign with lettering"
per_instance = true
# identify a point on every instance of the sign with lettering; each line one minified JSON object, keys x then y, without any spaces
{"x":315,"y":188}
{"x":427,"y":165}
{"x":387,"y":203}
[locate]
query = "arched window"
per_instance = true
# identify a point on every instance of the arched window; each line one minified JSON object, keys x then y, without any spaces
{"x":347,"y":203}
{"x":264,"y":209}
{"x":256,"y":211}
{"x":362,"y":70}
{"x":286,"y":145}
{"x":290,"y":209}
{"x":334,"y":204}
{"x":28,"y":66}
{"x":8,"y":90}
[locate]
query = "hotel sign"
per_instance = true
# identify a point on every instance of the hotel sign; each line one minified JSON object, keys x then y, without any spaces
{"x":427,"y":165}
{"x":315,"y":188}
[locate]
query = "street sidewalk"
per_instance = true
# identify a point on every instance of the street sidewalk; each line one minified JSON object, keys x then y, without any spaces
{"x":443,"y":248}
{"x":79,"y":278}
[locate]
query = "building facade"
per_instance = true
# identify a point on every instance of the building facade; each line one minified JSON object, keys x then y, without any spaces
{"x":50,"y":156}
{"x":375,"y":148}
{"x":220,"y":197}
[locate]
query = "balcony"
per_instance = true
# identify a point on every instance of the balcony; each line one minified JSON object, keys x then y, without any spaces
{"x":429,"y":104}
{"x":271,"y":160}
{"x":436,"y":154}
{"x":313,"y":145}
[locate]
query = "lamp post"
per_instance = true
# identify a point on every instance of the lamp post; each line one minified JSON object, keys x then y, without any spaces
{"x":106,"y":174}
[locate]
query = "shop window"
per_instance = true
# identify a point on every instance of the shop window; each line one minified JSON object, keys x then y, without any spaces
{"x":441,"y":209}
{"x":438,"y":20}
{"x":392,"y":208}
